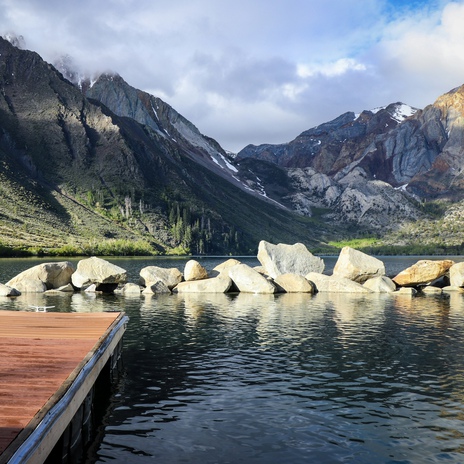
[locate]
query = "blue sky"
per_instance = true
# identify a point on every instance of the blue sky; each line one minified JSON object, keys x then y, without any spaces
{"x":256,"y":71}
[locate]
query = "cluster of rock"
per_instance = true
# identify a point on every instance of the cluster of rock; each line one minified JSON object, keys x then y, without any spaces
{"x":284,"y":268}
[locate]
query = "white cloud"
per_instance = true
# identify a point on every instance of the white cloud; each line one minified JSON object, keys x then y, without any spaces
{"x":337,"y":68}
{"x":421,"y":56}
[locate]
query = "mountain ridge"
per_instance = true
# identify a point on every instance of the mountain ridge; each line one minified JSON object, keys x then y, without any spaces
{"x":104,"y":176}
{"x":99,"y":160}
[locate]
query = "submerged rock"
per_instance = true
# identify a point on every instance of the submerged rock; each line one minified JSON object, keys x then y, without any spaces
{"x":64,"y":289}
{"x":430,"y":290}
{"x":408,"y":291}
{"x":131,"y":289}
{"x":453,"y":289}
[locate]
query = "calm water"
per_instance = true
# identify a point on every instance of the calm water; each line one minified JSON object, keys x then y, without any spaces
{"x":280,"y":379}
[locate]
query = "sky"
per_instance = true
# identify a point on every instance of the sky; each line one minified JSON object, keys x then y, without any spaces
{"x":256,"y":71}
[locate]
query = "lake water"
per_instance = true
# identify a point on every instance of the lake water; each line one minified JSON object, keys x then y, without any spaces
{"x":328,"y":378}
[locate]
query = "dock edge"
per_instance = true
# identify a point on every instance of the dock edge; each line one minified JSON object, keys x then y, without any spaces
{"x":36,"y":441}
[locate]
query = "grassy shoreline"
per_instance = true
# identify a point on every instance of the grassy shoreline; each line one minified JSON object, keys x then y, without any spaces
{"x":122,"y":247}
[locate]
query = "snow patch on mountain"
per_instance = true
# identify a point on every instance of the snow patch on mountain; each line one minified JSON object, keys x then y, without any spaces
{"x":403,"y":111}
{"x":400,"y":113}
{"x":220,"y":160}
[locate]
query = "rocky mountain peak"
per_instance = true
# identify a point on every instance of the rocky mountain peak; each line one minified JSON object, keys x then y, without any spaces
{"x":451,"y":103}
{"x":17,"y":41}
{"x":331,"y":146}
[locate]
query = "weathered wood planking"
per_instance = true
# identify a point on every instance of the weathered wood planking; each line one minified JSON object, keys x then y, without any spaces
{"x":40,"y":355}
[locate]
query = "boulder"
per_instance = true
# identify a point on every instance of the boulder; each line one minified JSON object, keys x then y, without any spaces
{"x":193,"y":270}
{"x":30,"y":286}
{"x":53,"y":275}
{"x":168,"y":276}
{"x":408,"y":291}
{"x":381,"y":284}
{"x":156,"y":288}
{"x":324,"y":283}
{"x":293,"y":283}
{"x":225,"y":265}
{"x":247,"y":280}
{"x":423,"y":272}
{"x":456,"y":275}
{"x":64,"y":289}
{"x":219,"y":284}
{"x":106,"y":276}
{"x":260,"y":269}
{"x":357,"y":266}
{"x":282,"y":259}
{"x":5,"y":290}
{"x":91,"y":288}
{"x":453,"y":289}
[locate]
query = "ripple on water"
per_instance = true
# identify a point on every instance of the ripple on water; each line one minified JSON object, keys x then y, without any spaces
{"x":292,"y":378}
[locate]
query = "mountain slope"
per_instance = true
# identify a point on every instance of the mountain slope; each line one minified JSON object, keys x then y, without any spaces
{"x":326,"y":169}
{"x":145,"y":173}
{"x":372,"y":170}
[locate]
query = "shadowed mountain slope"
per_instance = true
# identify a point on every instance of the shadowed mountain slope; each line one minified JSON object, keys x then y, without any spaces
{"x":76,"y":169}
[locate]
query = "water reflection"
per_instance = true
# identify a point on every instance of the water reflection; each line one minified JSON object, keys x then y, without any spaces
{"x":290,"y":378}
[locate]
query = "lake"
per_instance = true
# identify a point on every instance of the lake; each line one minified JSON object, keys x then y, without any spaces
{"x":291,"y":378}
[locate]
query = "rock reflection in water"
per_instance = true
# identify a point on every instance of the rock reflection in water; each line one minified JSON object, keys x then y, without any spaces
{"x":290,"y":378}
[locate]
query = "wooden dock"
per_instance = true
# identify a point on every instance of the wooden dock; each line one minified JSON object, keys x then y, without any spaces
{"x":49,"y":361}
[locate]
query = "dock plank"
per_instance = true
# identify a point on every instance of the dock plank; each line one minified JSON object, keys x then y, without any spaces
{"x":38,"y":353}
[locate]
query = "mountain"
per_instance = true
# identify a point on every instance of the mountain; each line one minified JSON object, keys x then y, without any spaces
{"x":381,"y":170}
{"x":83,"y":163}
{"x":98,"y":166}
{"x":326,"y":170}
{"x":331,"y":146}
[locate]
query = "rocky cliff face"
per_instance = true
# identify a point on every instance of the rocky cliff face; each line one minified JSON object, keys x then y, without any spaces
{"x":165,"y":123}
{"x":444,"y":135}
{"x":375,"y":168}
{"x":330,"y":147}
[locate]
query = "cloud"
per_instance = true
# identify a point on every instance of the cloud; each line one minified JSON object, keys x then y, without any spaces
{"x":336,"y":68}
{"x":421,"y":56}
{"x":257,"y":72}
